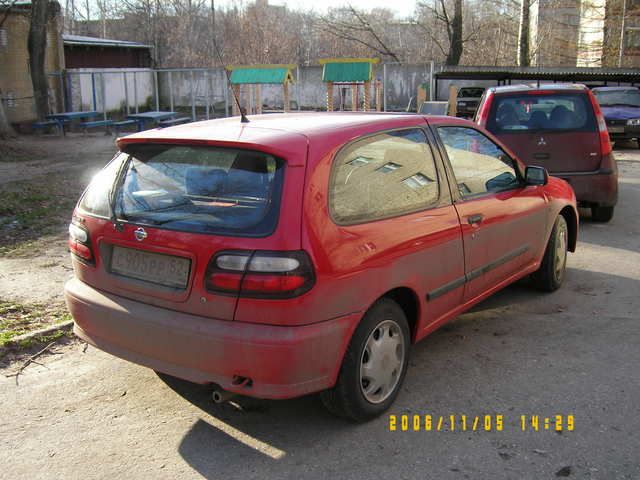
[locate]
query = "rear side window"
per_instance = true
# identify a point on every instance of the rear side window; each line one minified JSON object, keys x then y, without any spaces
{"x":534,"y":112}
{"x":383,"y":175}
{"x":200,"y":189}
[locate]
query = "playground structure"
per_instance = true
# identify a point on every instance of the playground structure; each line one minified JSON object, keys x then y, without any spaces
{"x":254,"y":76}
{"x":351,"y":72}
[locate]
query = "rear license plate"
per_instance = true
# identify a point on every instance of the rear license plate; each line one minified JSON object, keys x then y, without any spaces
{"x":616,"y":129}
{"x":165,"y":270}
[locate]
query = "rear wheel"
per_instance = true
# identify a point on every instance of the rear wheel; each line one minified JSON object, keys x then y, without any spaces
{"x":602,"y":214}
{"x":374,"y":365}
{"x":551,"y":273}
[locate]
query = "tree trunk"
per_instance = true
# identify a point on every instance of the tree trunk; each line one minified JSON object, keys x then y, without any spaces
{"x":5,"y":127}
{"x":523,"y":35}
{"x":455,"y":46}
{"x":37,"y":45}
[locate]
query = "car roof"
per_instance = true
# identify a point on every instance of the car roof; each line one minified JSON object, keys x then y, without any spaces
{"x":295,"y":123}
{"x":282,"y":134}
{"x":539,"y":88}
{"x":614,"y":89}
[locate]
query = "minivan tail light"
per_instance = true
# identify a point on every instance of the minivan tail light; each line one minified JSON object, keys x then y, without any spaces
{"x":79,"y":243}
{"x":485,"y":106}
{"x":605,"y":141}
{"x":260,"y":274}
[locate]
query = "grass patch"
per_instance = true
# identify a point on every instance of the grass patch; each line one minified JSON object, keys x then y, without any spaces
{"x":30,"y":210}
{"x":17,"y":319}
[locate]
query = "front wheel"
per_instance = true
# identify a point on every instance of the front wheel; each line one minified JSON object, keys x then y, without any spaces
{"x":374,"y":365}
{"x":602,"y":214}
{"x":551,"y":273}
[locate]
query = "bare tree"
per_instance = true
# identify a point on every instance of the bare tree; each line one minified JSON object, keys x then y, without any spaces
{"x":523,"y":34}
{"x":439,"y":17}
{"x":37,"y":44}
{"x":358,"y":27}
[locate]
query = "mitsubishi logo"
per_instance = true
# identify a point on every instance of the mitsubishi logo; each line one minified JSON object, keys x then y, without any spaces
{"x":140,"y":234}
{"x":541,"y":142}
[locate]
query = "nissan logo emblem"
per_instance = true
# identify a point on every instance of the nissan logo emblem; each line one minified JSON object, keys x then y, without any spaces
{"x":140,"y":234}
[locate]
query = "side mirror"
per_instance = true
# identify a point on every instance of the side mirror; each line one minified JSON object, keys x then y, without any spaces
{"x":536,"y":176}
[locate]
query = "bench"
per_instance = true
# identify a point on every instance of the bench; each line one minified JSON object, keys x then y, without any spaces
{"x":174,"y":121}
{"x":46,"y":125}
{"x":123,"y":123}
{"x":97,"y":123}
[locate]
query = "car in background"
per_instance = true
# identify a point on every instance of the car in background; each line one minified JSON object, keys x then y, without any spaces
{"x":303,"y":253}
{"x":560,"y":127}
{"x":467,"y":101}
{"x":621,"y":109}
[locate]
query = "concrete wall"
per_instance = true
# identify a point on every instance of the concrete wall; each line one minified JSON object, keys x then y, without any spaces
{"x":114,"y":97}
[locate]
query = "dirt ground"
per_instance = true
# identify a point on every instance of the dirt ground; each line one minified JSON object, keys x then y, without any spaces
{"x":85,"y":414}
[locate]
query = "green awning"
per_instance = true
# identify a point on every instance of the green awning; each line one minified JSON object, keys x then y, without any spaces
{"x":347,"y":72}
{"x":260,"y":75}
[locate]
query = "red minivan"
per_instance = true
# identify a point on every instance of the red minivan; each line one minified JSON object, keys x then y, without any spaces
{"x":560,"y":127}
{"x":304,"y":253}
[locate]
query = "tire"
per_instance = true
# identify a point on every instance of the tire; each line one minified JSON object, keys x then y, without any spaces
{"x":355,"y":395}
{"x":601,"y":214}
{"x":551,"y":273}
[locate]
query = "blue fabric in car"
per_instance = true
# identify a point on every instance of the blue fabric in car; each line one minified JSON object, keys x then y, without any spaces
{"x":204,"y":181}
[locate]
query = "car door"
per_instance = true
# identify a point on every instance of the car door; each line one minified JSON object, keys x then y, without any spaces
{"x":393,"y":224}
{"x":502,"y":220}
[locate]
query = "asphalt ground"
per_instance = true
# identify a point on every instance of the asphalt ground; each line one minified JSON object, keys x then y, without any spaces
{"x":572,"y":353}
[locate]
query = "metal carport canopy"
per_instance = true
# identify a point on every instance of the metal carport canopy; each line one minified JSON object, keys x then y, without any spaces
{"x":557,"y":74}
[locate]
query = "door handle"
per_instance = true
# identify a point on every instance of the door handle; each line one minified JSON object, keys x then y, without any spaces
{"x":475,"y":219}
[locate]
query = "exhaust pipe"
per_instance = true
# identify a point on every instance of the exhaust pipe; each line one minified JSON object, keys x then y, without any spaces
{"x":221,"y":396}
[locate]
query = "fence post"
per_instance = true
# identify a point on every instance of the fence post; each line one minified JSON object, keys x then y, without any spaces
{"x":104,"y":96}
{"x":193,"y":97}
{"x":170,"y":73}
{"x":384,"y":87}
{"x":93,"y":90}
{"x":126,"y":93}
{"x":157,"y":92}
{"x":206,"y":90}
{"x":135,"y":89}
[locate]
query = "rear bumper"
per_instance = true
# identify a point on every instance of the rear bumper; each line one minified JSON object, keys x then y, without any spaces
{"x":282,"y":362}
{"x":593,"y":188}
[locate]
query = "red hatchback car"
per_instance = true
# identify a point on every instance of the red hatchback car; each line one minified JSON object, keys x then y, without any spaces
{"x":560,"y":127}
{"x":306,"y":253}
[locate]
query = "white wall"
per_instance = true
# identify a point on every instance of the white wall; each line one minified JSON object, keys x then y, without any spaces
{"x":114,"y":93}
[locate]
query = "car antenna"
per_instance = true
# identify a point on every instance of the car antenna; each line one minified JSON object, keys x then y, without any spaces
{"x":243,"y":117}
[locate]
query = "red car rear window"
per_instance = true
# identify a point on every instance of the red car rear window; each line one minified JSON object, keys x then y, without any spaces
{"x":191,"y":188}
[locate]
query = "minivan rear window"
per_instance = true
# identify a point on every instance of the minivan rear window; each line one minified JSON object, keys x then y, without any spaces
{"x":198,"y":189}
{"x":535,"y":112}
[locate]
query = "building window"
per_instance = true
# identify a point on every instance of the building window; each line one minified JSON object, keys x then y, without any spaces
{"x":4,"y":38}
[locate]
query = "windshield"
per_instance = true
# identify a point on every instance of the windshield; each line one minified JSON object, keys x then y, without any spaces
{"x":618,"y":97}
{"x":471,"y":92}
{"x":197,"y":189}
{"x":534,"y":112}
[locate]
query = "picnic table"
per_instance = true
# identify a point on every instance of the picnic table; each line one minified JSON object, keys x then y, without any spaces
{"x":67,"y":117}
{"x":152,"y":116}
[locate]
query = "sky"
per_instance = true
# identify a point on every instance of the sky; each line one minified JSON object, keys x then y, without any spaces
{"x":403,"y":8}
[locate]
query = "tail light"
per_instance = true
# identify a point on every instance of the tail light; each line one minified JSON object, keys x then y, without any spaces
{"x":79,"y":243}
{"x":260,"y":274}
{"x":605,"y":141}
{"x":482,"y":115}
